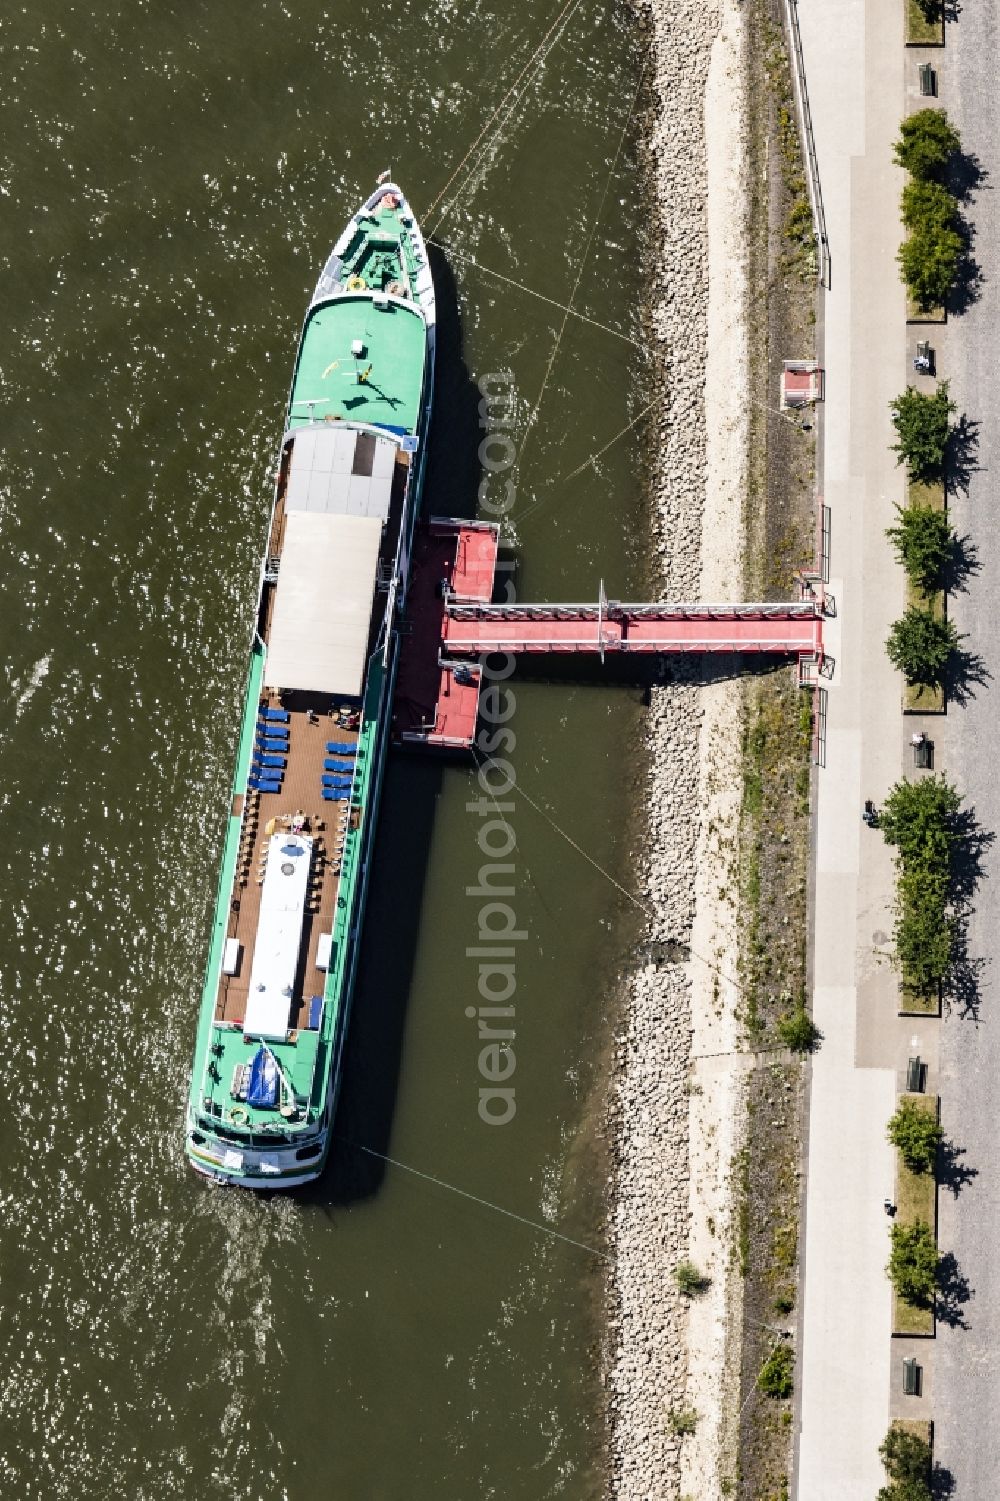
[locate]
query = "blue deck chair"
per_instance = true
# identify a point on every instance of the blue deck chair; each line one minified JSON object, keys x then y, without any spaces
{"x":335,"y":795}
{"x":273,"y":760}
{"x":341,"y":766}
{"x":330,"y":779}
{"x":315,"y":1012}
{"x":341,"y":748}
{"x":280,"y":716}
{"x":272,"y":742}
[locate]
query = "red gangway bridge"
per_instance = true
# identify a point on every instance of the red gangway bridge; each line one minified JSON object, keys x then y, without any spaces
{"x":451,"y":623}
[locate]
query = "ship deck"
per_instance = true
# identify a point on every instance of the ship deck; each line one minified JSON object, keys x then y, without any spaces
{"x":382,"y":385}
{"x":326,"y":822}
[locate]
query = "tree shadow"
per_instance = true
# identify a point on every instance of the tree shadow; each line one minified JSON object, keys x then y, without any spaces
{"x":962,"y":565}
{"x":953,"y":1173}
{"x":966,"y":174}
{"x":953,"y":1293}
{"x":968,"y":284}
{"x":962,"y":986}
{"x":942,"y":1482}
{"x":970,"y":841}
{"x":961,"y":455}
{"x":965,"y":672}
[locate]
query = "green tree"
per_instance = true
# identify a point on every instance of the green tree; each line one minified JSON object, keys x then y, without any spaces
{"x":927,"y":142}
{"x":915,"y":1131}
{"x":922,"y":429}
{"x":928,"y":263}
{"x":924,"y":541}
{"x":913,"y":1262}
{"x":919,"y":819}
{"x":923,"y":930}
{"x":907,"y":1460}
{"x":798,"y":1031}
{"x":921,"y":646}
{"x":927,"y":202}
{"x":775,"y":1376}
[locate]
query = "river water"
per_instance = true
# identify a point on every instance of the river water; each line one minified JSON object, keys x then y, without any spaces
{"x":172,"y":177}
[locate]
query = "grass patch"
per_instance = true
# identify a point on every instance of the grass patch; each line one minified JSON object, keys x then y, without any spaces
{"x":919,"y":699}
{"x":743,"y":1214}
{"x":917,"y":314}
{"x":916,"y":1199}
{"x":908,"y":1318}
{"x":921,"y":32}
{"x":927,"y":494}
{"x":916,"y":1193}
{"x":928,"y":1004}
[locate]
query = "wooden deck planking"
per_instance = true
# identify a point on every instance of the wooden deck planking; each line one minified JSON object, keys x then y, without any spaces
{"x":301,"y":791}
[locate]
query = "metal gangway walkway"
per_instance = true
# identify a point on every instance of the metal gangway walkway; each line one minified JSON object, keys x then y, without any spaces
{"x":793,"y":629}
{"x":451,"y":625}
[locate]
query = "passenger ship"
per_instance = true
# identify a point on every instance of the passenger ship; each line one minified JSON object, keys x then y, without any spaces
{"x":315,"y":724}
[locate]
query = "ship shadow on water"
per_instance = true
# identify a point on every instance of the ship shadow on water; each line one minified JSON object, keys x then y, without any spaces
{"x":373,"y":1050}
{"x":644,"y":672}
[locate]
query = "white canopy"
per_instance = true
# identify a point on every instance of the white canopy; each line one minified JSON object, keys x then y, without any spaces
{"x":279,"y":936}
{"x":318,"y":641}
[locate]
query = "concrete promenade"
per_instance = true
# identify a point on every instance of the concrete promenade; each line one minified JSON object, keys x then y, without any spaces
{"x":856,"y":70}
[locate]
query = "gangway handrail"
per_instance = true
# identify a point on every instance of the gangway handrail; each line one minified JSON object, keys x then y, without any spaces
{"x":800,"y":609}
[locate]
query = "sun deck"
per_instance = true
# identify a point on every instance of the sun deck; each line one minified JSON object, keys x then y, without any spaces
{"x":326,"y":823}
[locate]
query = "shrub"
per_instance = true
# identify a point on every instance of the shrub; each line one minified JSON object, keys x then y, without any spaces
{"x":907,"y":1460}
{"x":927,"y":142}
{"x":783,"y":1303}
{"x":798,"y":1031}
{"x":922,"y":430}
{"x":921,"y":646}
{"x":924,"y":541}
{"x":928,"y":263}
{"x":913,"y":1262}
{"x":925,"y":203}
{"x":683,"y":1420}
{"x":691,"y":1281}
{"x":915,"y":1131}
{"x":775,"y":1376}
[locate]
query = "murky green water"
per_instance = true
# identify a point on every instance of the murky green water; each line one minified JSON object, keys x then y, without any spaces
{"x":172,"y":177}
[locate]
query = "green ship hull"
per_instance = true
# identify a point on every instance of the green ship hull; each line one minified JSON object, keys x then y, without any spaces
{"x":290,"y":903}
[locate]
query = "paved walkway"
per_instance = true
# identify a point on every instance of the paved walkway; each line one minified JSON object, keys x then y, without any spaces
{"x":855,"y":67}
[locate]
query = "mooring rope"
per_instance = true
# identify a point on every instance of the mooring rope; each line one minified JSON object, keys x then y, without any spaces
{"x":583,"y":261}
{"x":564,"y":479}
{"x":540,"y":53}
{"x":653,"y":913}
{"x":487,"y":1203}
{"x":523,"y":287}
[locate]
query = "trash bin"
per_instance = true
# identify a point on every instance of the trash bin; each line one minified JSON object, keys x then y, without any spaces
{"x":923,"y":754}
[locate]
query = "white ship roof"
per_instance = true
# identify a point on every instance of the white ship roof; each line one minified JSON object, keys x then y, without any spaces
{"x":318,"y":639}
{"x":334,"y":468}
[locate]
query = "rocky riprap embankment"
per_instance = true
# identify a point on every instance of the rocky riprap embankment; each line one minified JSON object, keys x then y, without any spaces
{"x":648,"y":1363}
